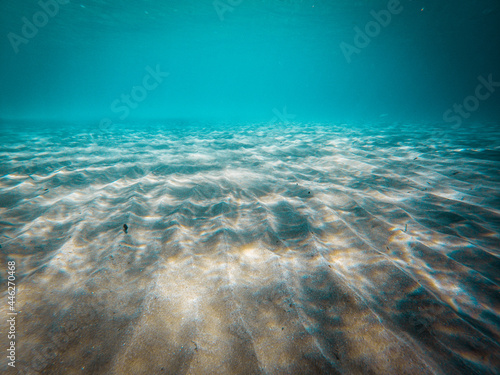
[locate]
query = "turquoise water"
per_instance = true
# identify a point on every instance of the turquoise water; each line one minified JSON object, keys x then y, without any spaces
{"x":250,"y":187}
{"x":240,"y":63}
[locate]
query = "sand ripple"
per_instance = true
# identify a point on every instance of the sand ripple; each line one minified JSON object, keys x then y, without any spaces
{"x":299,"y":249}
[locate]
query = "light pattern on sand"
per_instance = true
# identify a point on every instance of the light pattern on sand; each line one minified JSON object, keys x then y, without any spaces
{"x":298,"y":249}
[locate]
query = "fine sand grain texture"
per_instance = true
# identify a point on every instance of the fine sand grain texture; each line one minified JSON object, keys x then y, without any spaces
{"x":298,"y":249}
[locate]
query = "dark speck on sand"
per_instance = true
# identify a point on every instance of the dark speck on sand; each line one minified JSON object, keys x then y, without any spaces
{"x":125,"y":228}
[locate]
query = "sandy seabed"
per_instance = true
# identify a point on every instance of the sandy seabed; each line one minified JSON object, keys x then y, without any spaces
{"x":276,"y":249}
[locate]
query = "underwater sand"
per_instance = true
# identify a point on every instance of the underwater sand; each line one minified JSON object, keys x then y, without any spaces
{"x":293,"y":249}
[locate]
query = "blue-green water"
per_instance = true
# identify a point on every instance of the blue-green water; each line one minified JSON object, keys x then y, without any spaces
{"x":244,"y":61}
{"x":250,"y":187}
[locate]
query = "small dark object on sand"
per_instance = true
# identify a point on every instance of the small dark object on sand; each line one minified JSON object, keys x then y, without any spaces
{"x":406,"y":226}
{"x":416,"y":158}
{"x":125,"y":228}
{"x":454,"y":173}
